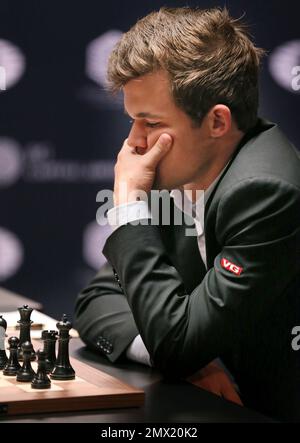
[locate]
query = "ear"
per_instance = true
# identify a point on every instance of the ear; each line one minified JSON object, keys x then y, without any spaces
{"x":219,"y":120}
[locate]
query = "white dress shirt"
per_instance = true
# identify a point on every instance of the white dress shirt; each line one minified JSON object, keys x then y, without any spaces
{"x":137,"y":210}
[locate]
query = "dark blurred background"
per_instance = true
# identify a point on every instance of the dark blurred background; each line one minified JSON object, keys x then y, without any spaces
{"x":60,"y":131}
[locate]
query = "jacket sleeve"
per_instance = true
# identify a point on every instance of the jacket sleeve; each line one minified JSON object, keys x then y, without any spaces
{"x":103,"y":317}
{"x":257,"y":228}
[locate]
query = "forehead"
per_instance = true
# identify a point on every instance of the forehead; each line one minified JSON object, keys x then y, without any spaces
{"x":148,"y":91}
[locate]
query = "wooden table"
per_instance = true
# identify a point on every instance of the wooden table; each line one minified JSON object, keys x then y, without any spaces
{"x":164,"y":402}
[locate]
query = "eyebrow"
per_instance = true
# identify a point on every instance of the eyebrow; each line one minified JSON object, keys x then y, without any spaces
{"x":144,"y":115}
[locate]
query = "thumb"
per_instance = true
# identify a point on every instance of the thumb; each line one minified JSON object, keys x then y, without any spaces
{"x":160,"y":148}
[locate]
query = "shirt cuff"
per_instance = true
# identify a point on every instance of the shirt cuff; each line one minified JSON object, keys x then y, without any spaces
{"x":128,"y":212}
{"x":137,"y":351}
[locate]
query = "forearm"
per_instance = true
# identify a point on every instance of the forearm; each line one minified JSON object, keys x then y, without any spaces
{"x":103,"y":317}
{"x":157,"y":298}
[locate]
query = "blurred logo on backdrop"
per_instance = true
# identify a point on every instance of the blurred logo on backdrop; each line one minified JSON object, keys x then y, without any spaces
{"x":284,"y":65}
{"x":12,"y":64}
{"x":96,"y":60}
{"x":2,"y":78}
{"x":97,"y":55}
{"x":11,"y":253}
{"x":11,"y":162}
{"x":94,"y":238}
{"x":36,"y":162}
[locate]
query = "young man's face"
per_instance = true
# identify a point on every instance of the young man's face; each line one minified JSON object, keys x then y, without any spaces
{"x":149,"y":103}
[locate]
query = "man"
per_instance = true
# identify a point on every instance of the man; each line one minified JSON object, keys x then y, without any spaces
{"x":178,"y":301}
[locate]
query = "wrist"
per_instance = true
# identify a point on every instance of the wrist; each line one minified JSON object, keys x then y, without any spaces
{"x":123,"y":196}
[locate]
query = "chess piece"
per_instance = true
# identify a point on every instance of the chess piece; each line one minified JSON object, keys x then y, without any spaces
{"x":12,"y":366}
{"x":63,"y":369}
{"x":25,"y":325}
{"x":3,"y":356}
{"x":26,"y":373}
{"x":41,"y":379}
{"x":49,"y":338}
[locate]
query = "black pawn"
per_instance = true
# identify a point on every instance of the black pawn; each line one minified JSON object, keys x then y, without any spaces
{"x":12,"y":366}
{"x":63,"y":369}
{"x":49,"y":338}
{"x":25,"y":326}
{"x":41,"y":379}
{"x":3,"y":356}
{"x":26,"y":373}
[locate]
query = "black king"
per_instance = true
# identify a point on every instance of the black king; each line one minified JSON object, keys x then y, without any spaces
{"x":63,"y":369}
{"x":25,"y":324}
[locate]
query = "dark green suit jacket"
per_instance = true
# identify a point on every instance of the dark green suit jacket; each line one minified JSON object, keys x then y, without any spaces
{"x":242,"y":308}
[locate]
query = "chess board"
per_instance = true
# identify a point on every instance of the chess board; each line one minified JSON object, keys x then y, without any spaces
{"x":92,"y":389}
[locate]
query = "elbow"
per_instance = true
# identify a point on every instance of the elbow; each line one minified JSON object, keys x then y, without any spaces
{"x":173,"y":363}
{"x":175,"y":359}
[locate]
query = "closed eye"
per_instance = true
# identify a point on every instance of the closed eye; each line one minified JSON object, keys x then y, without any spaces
{"x":151,"y":125}
{"x":147,"y":124}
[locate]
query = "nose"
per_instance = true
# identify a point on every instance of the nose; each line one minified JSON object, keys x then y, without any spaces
{"x":137,"y":136}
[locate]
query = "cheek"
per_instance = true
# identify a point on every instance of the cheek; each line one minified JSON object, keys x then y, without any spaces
{"x":176,"y":159}
{"x":173,"y":162}
{"x":180,"y":161}
{"x":153,"y":137}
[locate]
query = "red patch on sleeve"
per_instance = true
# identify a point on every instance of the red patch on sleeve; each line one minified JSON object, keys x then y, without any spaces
{"x":229,"y":266}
